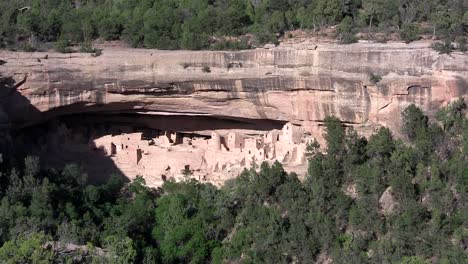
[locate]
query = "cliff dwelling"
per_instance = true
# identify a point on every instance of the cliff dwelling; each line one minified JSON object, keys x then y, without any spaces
{"x":215,"y":158}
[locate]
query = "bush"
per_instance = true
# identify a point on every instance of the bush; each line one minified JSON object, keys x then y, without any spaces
{"x":62,"y":46}
{"x":185,"y":65}
{"x":410,"y":32}
{"x":346,"y":25}
{"x":87,"y":47}
{"x":263,"y":37}
{"x":414,"y":260}
{"x":344,"y":30}
{"x":375,"y":78}
{"x":206,"y":69}
{"x":97,"y":53}
{"x":348,"y":38}
{"x":461,"y":41}
{"x":27,"y":47}
{"x":443,"y":47}
{"x":231,"y":65}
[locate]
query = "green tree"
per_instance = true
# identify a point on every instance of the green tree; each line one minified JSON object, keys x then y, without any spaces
{"x":413,"y":260}
{"x":409,"y":32}
{"x":335,"y":135}
{"x":452,"y":116}
{"x":381,"y":146}
{"x":402,"y":168}
{"x":234,"y":19}
{"x":445,"y":21}
{"x":41,"y":206}
{"x":345,"y":31}
{"x":27,"y":249}
{"x":180,"y":225}
{"x":120,"y":250}
{"x":351,"y":7}
{"x":373,"y":8}
{"x":162,"y":26}
{"x":414,"y":121}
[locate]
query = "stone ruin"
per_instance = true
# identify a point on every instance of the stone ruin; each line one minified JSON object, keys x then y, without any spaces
{"x":212,"y":159}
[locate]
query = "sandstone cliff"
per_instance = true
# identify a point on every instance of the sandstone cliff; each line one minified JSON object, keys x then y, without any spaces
{"x":300,"y":84}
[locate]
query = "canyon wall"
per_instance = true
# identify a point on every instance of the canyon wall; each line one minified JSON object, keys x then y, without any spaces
{"x":301,"y":84}
{"x":199,"y":94}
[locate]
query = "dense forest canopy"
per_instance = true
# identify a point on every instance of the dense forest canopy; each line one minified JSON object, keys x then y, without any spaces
{"x":204,"y":24}
{"x":376,"y":200}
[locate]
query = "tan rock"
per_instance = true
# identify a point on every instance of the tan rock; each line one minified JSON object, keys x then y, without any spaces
{"x":387,"y":202}
{"x":262,"y":92}
{"x":126,"y":80}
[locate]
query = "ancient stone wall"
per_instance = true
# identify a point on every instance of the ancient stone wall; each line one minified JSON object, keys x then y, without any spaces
{"x":204,"y":159}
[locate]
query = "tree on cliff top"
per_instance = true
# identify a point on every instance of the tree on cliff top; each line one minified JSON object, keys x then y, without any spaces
{"x":201,"y":24}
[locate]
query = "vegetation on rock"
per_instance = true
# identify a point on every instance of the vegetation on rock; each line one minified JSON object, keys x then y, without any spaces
{"x":218,"y":24}
{"x":375,"y":78}
{"x":445,"y":47}
{"x":409,"y":32}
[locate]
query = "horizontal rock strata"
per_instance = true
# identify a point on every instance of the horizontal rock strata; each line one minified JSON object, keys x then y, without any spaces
{"x":248,"y":92}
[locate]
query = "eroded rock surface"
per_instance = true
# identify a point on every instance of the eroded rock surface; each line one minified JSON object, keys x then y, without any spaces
{"x":388,"y":202}
{"x":289,"y":84}
{"x":247,"y":92}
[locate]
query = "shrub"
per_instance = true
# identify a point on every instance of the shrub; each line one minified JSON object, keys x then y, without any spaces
{"x":461,"y":41}
{"x":345,"y":26}
{"x":62,"y":46}
{"x":27,"y":47}
{"x":97,"y":53}
{"x":414,"y":260}
{"x":410,"y":32}
{"x":87,"y":47}
{"x":185,"y":65}
{"x":381,"y":38}
{"x":264,"y":37}
{"x":443,"y":47}
{"x":348,"y":38}
{"x":231,"y":65}
{"x":206,"y":69}
{"x":375,"y":78}
{"x":345,"y":33}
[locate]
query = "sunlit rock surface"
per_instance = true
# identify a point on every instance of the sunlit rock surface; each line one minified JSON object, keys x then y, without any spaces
{"x":247,"y":92}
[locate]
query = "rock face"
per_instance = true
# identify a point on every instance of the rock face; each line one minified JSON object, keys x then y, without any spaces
{"x":293,"y":84}
{"x":251,"y":91}
{"x":388,"y":202}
